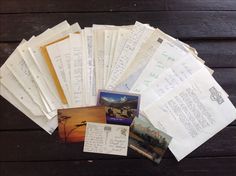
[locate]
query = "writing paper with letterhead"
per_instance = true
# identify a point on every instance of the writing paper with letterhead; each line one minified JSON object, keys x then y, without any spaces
{"x":192,"y":113}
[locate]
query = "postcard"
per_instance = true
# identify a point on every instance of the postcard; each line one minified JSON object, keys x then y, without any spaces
{"x":148,"y":140}
{"x":121,"y":108}
{"x":72,"y":122}
{"x":106,"y":139}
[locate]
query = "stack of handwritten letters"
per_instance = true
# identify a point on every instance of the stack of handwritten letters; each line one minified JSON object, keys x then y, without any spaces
{"x":115,"y":87}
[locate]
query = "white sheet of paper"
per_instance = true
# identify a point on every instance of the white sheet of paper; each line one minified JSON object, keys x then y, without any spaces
{"x":122,"y":37}
{"x":165,"y":56}
{"x":112,"y":53}
{"x":35,"y":52}
{"x":143,"y":56}
{"x":106,"y":139}
{"x":89,"y":71}
{"x":30,"y":51}
{"x":64,"y":48}
{"x":77,"y":82}
{"x":107,"y":50}
{"x":140,"y":32}
{"x":16,"y":74}
{"x":99,"y":57}
{"x":47,"y":93}
{"x":33,"y":65}
{"x":170,"y":79}
{"x":145,"y":53}
{"x":34,"y":46}
{"x":192,"y":113}
{"x":19,"y":69}
{"x":9,"y":81}
{"x":48,"y":125}
{"x":85,"y":69}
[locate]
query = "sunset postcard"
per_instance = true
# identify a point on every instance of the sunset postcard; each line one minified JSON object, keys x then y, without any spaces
{"x":72,"y":121}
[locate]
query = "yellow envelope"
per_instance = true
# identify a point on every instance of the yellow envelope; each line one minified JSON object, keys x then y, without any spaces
{"x":52,"y":70}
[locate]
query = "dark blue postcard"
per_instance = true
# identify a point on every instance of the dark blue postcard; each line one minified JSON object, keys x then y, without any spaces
{"x":121,"y":108}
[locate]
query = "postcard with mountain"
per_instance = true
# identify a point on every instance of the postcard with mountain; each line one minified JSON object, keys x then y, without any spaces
{"x":148,"y":140}
{"x":121,"y":108}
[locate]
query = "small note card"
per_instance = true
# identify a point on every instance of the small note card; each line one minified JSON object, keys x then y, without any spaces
{"x":106,"y":138}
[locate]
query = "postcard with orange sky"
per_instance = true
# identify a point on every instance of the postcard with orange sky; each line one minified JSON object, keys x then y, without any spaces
{"x":72,"y":121}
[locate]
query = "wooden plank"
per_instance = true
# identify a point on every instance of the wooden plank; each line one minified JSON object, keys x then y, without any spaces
{"x":233,"y":100}
{"x":217,"y":53}
{"x":16,"y":6}
{"x":227,"y":79}
{"x":5,"y":51}
{"x":128,"y":167}
{"x":11,"y":118}
{"x":183,"y":25}
{"x":207,"y":5}
{"x":39,"y":146}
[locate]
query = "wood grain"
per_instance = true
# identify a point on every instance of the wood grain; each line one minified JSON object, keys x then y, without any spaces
{"x":179,"y":24}
{"x":207,"y":25}
{"x":11,"y":118}
{"x":15,"y":146}
{"x":168,"y":167}
{"x":39,"y":6}
{"x":216,"y":53}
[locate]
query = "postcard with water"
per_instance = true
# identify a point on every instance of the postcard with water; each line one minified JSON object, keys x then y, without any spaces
{"x":148,"y":140}
{"x":121,"y":108}
{"x":72,"y":121}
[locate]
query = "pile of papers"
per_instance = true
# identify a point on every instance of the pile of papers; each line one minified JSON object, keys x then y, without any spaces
{"x":66,"y":67}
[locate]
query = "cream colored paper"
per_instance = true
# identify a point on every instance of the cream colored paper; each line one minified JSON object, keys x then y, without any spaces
{"x":77,"y":82}
{"x":140,"y":32}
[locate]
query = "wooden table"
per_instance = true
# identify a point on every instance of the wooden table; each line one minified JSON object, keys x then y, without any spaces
{"x":207,"y":25}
